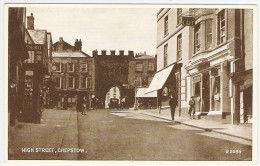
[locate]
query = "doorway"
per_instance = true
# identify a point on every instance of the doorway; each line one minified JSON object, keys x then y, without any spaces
{"x":205,"y":92}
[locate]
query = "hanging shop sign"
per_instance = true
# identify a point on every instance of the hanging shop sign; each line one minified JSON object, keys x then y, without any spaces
{"x":188,"y":21}
{"x":34,"y":47}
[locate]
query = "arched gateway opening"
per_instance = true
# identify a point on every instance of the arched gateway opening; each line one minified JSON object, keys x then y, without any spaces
{"x":112,"y":76}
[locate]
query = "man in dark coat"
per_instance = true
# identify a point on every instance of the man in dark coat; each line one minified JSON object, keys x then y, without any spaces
{"x":173,"y":104}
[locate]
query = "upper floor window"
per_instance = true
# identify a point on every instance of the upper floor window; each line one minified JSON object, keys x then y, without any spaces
{"x":58,"y":82}
{"x":197,"y":38}
{"x":151,"y":66}
{"x":70,"y":82}
{"x":150,"y":80}
{"x":139,"y":66}
{"x":84,"y":83}
{"x":179,"y":46}
{"x":70,"y":67}
{"x":138,"y":81}
{"x":221,"y":27}
{"x":179,"y":15}
{"x":84,"y":67}
{"x":208,"y":34}
{"x":165,"y":55}
{"x":58,"y":67}
{"x":166,"y":25}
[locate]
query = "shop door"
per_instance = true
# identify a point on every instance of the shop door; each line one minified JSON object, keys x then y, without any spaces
{"x":205,"y":92}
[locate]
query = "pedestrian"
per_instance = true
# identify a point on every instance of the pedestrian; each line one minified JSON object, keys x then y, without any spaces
{"x":84,"y":106}
{"x":173,"y":104}
{"x":192,"y":106}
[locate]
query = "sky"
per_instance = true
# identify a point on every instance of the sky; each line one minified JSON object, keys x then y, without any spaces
{"x":100,"y":28}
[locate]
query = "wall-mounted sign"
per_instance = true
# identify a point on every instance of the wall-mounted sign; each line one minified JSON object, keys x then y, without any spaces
{"x":34,"y":47}
{"x":188,"y":21}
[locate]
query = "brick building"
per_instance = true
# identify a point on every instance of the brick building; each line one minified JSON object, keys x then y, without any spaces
{"x":74,"y":72}
{"x":141,"y":71}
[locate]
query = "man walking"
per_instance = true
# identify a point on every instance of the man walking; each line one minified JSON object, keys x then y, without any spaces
{"x":173,"y":104}
{"x":192,"y":106}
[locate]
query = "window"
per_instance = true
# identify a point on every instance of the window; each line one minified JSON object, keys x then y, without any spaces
{"x":58,"y":67}
{"x":139,"y":66}
{"x":221,"y":27}
{"x":179,"y":46}
{"x":58,"y":82}
{"x":165,"y":55}
{"x":71,"y":82}
{"x":84,"y":82}
{"x":70,"y":67}
{"x":179,"y":15}
{"x":208,"y":34}
{"x":138,"y":81}
{"x":84,"y":67}
{"x":150,"y":80}
{"x":89,"y":82}
{"x":151,"y":66}
{"x":166,"y":25}
{"x":197,"y":38}
{"x":196,"y":87}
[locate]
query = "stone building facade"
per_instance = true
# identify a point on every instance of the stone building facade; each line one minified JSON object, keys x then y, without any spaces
{"x":211,"y":57}
{"x":73,"y":72}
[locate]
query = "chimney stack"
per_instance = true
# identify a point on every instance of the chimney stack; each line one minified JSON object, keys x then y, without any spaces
{"x":112,"y":52}
{"x":103,"y":52}
{"x":78,"y":45}
{"x":30,"y":22}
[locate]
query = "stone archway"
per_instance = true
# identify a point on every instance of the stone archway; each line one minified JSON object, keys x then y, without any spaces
{"x":111,"y":71}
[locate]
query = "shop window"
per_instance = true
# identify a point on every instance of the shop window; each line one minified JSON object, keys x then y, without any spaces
{"x":217,"y":85}
{"x":197,"y":38}
{"x":196,"y":87}
{"x":165,"y":55}
{"x":179,"y":46}
{"x":208,"y":34}
{"x":166,"y":25}
{"x":221,"y":27}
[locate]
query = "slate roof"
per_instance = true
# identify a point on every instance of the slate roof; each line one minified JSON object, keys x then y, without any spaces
{"x":38,"y":36}
{"x":74,"y":54}
{"x":145,"y":57}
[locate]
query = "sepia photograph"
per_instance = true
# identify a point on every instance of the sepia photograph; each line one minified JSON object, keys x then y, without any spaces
{"x":132,"y":82}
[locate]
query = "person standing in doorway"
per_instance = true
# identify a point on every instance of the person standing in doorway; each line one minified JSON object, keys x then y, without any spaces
{"x":192,"y":107}
{"x":173,"y":104}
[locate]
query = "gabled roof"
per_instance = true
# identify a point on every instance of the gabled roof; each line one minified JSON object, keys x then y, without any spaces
{"x":145,"y":57}
{"x":72,"y":54}
{"x":38,"y":36}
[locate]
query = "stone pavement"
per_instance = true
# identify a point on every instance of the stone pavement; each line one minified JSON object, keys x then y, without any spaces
{"x":55,"y":136}
{"x":240,"y":131}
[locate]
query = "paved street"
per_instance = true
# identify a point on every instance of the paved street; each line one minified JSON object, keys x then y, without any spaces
{"x":125,"y":135}
{"x":121,"y":135}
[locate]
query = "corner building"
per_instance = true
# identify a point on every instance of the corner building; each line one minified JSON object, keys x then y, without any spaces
{"x":210,"y":58}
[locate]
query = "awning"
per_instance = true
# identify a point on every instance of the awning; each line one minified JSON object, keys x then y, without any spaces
{"x":159,"y":79}
{"x":141,"y":92}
